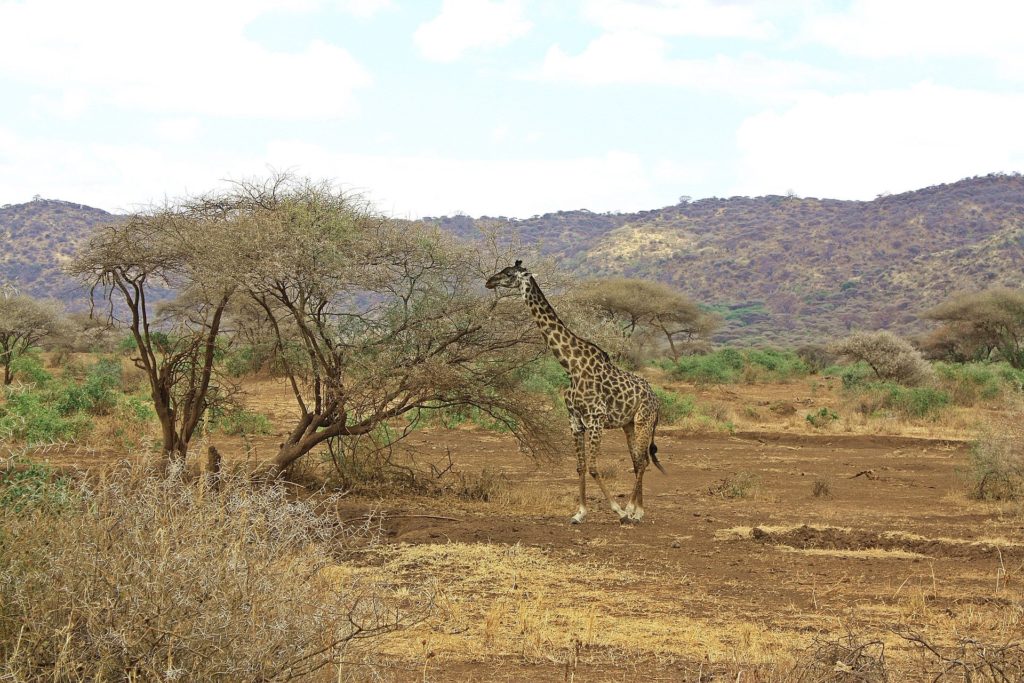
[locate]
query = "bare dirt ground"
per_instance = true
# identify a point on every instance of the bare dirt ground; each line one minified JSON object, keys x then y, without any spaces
{"x":738,"y":572}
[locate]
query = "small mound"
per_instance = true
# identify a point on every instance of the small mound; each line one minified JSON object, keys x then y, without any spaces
{"x":833,"y":538}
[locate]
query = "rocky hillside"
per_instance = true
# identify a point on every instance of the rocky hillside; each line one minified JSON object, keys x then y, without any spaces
{"x":785,"y":270}
{"x":37,"y":238}
{"x":781,"y":270}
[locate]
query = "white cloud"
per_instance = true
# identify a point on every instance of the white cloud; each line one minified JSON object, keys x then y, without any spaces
{"x":435,"y":185}
{"x":703,"y":18}
{"x":119,"y":177}
{"x":881,"y":29}
{"x":616,"y":58}
{"x":856,"y":146}
{"x":189,"y":57}
{"x":365,"y":8}
{"x":179,"y":130}
{"x":465,"y":25}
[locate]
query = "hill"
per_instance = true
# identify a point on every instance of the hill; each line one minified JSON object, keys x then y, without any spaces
{"x":785,"y":269}
{"x":781,"y":270}
{"x":37,"y":238}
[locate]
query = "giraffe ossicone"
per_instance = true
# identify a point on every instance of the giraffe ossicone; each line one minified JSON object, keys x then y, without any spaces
{"x":600,"y":396}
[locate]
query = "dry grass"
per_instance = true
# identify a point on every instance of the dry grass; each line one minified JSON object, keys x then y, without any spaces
{"x":139,"y":577}
{"x":499,"y":601}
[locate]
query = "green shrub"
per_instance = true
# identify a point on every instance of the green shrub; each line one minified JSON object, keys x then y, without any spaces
{"x":244,"y":360}
{"x":720,"y":367}
{"x":971,"y":383}
{"x":779,"y":365}
{"x":822,"y":418}
{"x":674,"y":407}
{"x":29,"y":369}
{"x":908,"y":402}
{"x":29,"y":416}
{"x":853,"y":375}
{"x":98,"y":393}
{"x":242,"y":422}
{"x":545,"y":376}
{"x":32,"y":486}
{"x":728,"y":366}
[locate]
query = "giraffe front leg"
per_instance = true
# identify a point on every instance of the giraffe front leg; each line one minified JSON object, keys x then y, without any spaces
{"x":594,"y":444}
{"x":581,"y":471}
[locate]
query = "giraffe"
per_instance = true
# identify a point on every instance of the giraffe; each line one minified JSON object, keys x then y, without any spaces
{"x":600,"y":396}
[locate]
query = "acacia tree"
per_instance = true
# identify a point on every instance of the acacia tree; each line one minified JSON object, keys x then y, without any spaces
{"x":372,"y":320}
{"x":24,"y":323}
{"x":134,"y":266}
{"x":889,"y":356}
{"x":978,"y":324}
{"x":653,"y":307}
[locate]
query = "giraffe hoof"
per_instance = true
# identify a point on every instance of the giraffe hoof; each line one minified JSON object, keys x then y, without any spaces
{"x":626,"y":520}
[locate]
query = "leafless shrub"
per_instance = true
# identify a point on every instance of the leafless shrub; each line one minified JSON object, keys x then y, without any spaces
{"x":822,"y":488}
{"x":970,"y":659}
{"x":150,"y":578}
{"x":996,"y":463}
{"x":846,"y":659}
{"x":740,"y":485}
{"x":890,"y":357}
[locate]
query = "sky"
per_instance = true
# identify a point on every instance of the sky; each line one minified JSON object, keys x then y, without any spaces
{"x":507,"y":107}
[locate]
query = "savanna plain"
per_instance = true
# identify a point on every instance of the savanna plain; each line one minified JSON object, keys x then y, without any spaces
{"x":777,"y":547}
{"x":295,"y":440}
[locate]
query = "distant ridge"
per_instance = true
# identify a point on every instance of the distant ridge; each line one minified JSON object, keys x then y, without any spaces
{"x":785,"y":269}
{"x":782,"y":270}
{"x":37,"y":238}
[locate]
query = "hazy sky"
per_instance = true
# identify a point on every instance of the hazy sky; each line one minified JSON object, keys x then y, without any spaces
{"x":508,"y":107}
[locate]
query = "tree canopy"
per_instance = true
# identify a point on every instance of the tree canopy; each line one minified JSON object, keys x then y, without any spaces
{"x":24,"y":323}
{"x":979,"y":325}
{"x":649,"y":307}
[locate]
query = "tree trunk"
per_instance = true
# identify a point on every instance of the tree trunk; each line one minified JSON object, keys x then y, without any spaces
{"x":289,"y":453}
{"x":8,"y":375}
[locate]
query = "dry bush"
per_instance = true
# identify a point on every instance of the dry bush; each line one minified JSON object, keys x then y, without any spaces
{"x":847,"y":659}
{"x":969,"y":659}
{"x":137,"y":577}
{"x":996,"y":463}
{"x":890,"y":357}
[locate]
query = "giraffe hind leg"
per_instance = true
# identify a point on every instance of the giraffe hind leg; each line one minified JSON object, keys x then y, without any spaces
{"x":642,"y":438}
{"x":581,"y":471}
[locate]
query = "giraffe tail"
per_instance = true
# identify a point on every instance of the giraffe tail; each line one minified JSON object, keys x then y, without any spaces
{"x":654,"y":458}
{"x":653,"y":451}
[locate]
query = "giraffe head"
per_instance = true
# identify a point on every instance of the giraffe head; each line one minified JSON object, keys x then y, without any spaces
{"x":510,"y":276}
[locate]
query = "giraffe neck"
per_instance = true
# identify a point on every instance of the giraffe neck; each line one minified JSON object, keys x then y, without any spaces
{"x":568,"y":349}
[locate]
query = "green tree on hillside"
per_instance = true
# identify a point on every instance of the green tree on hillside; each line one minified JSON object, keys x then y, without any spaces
{"x":24,"y":323}
{"x":637,"y":305}
{"x":981,"y":324}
